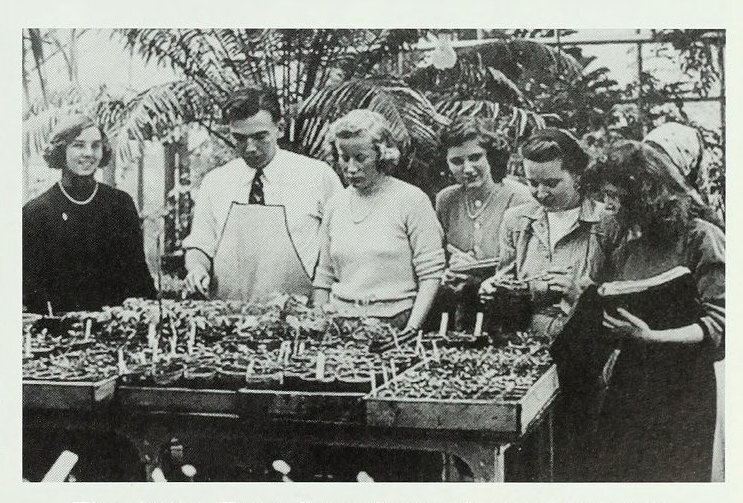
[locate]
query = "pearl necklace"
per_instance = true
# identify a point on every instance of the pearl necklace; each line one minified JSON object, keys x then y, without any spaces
{"x":478,"y":210}
{"x":75,"y":201}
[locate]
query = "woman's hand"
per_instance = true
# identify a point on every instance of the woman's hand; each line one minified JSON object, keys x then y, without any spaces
{"x":454,"y":280}
{"x":559,"y":279}
{"x":556,"y":283}
{"x":487,"y":289}
{"x":422,"y":304}
{"x":629,"y":326}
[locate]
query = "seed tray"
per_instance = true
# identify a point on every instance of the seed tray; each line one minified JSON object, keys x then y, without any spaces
{"x":184,"y":400}
{"x":511,"y":413}
{"x":67,"y":395}
{"x":318,"y":406}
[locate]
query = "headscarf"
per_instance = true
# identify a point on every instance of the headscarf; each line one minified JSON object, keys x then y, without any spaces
{"x":683,"y":146}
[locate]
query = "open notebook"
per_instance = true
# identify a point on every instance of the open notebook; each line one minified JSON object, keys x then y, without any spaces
{"x":666,"y":300}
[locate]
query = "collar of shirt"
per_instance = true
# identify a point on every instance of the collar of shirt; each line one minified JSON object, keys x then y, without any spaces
{"x":271,"y":171}
{"x":566,"y":218}
{"x":590,"y":211}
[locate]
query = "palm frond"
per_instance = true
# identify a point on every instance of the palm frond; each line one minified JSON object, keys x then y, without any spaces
{"x":155,"y":112}
{"x":518,"y":57}
{"x":470,"y":78}
{"x":513,"y":122}
{"x":194,"y":53}
{"x":412,"y":117}
{"x":43,"y":114}
{"x":498,"y":78}
{"x":36,"y":41}
{"x":496,"y":71}
{"x":579,"y":104}
{"x":295,"y":62}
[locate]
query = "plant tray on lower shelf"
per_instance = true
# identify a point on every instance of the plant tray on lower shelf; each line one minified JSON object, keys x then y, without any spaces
{"x":67,"y":395}
{"x":183,"y":400}
{"x":326,"y":407}
{"x":509,"y":410}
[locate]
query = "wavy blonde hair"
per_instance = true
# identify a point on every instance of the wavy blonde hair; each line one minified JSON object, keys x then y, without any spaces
{"x":362,"y":122}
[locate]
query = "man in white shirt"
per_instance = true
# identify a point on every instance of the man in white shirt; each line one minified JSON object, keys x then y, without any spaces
{"x":256,"y":219}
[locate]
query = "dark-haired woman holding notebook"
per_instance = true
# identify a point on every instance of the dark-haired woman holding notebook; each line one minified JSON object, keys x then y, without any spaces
{"x":658,"y":418}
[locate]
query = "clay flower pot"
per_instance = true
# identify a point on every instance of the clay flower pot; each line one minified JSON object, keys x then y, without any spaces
{"x":53,"y":325}
{"x":510,"y":309}
{"x":294,"y":379}
{"x":310,"y":383}
{"x":231,"y":375}
{"x":137,"y":375}
{"x":269,"y":344}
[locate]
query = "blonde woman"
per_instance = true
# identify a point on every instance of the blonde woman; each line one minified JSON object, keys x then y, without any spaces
{"x":381,"y":252}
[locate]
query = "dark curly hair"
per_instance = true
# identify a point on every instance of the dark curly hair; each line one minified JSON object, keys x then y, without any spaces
{"x":654,"y":200}
{"x":55,"y":154}
{"x":464,"y":129}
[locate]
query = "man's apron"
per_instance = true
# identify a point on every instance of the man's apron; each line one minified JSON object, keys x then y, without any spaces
{"x":256,"y":258}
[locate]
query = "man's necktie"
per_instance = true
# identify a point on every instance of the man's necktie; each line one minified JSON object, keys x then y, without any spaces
{"x":256,"y":189}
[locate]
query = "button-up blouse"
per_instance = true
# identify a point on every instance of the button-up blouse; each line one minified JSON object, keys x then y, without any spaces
{"x":525,"y":252}
{"x":480,"y":234}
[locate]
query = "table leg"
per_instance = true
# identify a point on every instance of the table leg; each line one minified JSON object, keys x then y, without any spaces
{"x":545,"y":449}
{"x":551,"y":444}
{"x":147,"y":440}
{"x":450,"y":471}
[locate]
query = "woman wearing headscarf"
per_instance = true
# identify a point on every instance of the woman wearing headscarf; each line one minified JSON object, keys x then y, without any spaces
{"x":82,"y":240}
{"x":684,"y":148}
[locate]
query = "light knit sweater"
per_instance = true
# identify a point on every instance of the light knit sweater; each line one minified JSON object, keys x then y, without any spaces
{"x":379,"y":261}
